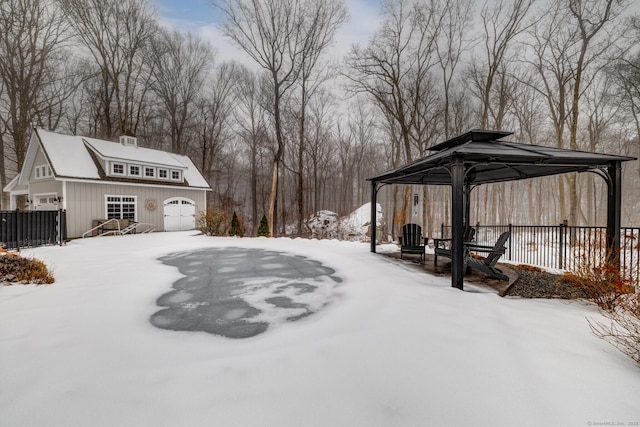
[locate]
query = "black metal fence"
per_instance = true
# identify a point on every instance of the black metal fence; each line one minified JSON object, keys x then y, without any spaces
{"x":561,"y":246}
{"x":32,"y":228}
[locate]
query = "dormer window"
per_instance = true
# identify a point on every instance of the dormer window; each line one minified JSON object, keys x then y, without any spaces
{"x":117,"y":169}
{"x":129,"y":141}
{"x":175,"y":175}
{"x":149,"y":172}
{"x":163,"y":173}
{"x":134,"y":170}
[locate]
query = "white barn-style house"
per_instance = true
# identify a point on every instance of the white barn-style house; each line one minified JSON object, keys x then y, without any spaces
{"x":94,"y":180}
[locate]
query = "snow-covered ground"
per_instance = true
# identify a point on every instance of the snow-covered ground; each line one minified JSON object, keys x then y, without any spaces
{"x":394,"y":347}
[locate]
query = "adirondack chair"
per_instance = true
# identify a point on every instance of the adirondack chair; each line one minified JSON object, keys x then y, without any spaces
{"x":442,"y":247}
{"x":411,"y":241}
{"x":487,"y":264}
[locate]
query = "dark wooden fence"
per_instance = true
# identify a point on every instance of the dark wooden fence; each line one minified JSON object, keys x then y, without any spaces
{"x":561,"y":246}
{"x":32,"y":228}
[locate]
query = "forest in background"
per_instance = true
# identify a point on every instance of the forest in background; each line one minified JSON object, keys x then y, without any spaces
{"x":302,"y":130}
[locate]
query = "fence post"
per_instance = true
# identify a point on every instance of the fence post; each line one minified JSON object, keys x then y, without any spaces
{"x":509,"y":241}
{"x":59,"y":226}
{"x":562,"y":243}
{"x":18,"y":229}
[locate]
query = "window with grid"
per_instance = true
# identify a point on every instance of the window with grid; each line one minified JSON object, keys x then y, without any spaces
{"x":121,"y":207}
{"x":134,"y":170}
{"x":118,"y":168}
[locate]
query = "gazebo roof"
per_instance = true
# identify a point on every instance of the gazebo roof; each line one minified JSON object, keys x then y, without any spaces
{"x":489,"y":160}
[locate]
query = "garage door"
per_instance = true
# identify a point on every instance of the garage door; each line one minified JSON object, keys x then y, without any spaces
{"x":179,"y":214}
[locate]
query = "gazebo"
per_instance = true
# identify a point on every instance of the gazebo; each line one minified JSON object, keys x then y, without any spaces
{"x":481,"y":157}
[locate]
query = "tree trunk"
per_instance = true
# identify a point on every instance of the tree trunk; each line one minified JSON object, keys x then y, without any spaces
{"x":273,"y":195}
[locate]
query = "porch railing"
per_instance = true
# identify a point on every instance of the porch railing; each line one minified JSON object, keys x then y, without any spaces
{"x":561,"y":246}
{"x":32,"y":228}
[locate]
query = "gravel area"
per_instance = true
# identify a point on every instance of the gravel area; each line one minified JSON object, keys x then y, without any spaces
{"x":540,"y":284}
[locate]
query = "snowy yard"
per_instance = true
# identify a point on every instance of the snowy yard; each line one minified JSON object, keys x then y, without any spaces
{"x":393,"y":347}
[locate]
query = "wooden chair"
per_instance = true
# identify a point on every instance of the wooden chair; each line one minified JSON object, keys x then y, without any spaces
{"x":442,"y":247}
{"x":411,"y":241}
{"x":487,"y":264}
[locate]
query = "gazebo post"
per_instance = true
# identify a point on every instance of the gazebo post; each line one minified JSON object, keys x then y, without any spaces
{"x":614,"y":202}
{"x":457,"y":222}
{"x":467,"y":204}
{"x":374,"y":204}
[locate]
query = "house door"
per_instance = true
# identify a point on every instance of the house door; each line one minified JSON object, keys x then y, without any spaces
{"x":179,"y":214}
{"x":45,"y":202}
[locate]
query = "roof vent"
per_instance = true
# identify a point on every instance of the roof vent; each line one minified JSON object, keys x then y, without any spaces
{"x":129,"y":141}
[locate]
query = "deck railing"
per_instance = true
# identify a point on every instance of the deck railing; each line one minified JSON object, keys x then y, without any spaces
{"x":561,"y":246}
{"x":32,"y":228}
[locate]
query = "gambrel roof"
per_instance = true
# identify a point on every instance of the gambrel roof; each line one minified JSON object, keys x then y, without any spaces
{"x":78,"y":157}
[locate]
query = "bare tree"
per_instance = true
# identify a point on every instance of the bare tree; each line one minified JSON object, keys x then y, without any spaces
{"x":454,"y":40}
{"x":253,"y":130}
{"x":601,"y":111}
{"x":318,"y":147}
{"x":551,"y":42}
{"x":35,"y":76}
{"x":566,"y":48}
{"x":591,"y":18}
{"x":502,"y":22}
{"x":117,"y":34}
{"x":215,"y":111}
{"x":324,"y":18}
{"x":273,"y":33}
{"x":395,"y":66}
{"x":396,"y":63}
{"x":181,"y":63}
{"x":626,"y":74}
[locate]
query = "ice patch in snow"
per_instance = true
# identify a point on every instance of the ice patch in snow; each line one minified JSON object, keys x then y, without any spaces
{"x":243,"y":301}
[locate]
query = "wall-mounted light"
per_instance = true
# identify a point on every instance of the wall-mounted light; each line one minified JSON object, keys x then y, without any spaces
{"x":58,"y":199}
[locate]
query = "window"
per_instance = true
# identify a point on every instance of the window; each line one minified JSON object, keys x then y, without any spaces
{"x":43,"y":171}
{"x":50,"y":200}
{"x":121,"y":207}
{"x":149,"y":172}
{"x":134,"y":170}
{"x":163,"y":173}
{"x":129,"y":140}
{"x":175,"y":175}
{"x":118,"y":169}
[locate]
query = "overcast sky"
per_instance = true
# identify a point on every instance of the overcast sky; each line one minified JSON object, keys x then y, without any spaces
{"x":201,"y":18}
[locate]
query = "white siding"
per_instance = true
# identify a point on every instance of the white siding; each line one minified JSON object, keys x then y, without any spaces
{"x":86,"y":202}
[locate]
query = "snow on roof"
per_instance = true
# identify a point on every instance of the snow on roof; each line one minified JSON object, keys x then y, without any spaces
{"x":115,"y":150}
{"x":191,"y":175}
{"x":68,"y":155}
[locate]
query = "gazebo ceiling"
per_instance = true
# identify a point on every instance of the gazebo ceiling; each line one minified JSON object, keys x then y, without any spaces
{"x":487,"y":159}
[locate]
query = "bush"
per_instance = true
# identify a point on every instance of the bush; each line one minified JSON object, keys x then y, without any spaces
{"x":14,"y":268}
{"x":624,"y":330}
{"x":602,"y":282}
{"x":236,"y":229}
{"x":212,"y":223}
{"x":263,"y":229}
